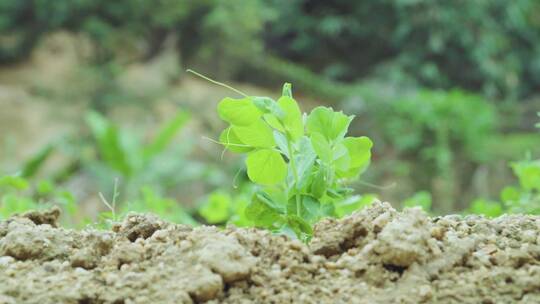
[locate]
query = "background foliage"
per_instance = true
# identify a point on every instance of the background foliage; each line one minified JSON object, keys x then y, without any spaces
{"x":447,"y":90}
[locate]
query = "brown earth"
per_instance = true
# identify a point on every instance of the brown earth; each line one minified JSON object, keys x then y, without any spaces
{"x":377,"y":255}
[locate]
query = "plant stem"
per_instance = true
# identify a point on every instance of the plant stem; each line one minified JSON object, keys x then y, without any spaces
{"x":295,"y":175}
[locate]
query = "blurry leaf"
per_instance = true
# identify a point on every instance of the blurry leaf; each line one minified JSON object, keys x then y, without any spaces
{"x":217,"y":208}
{"x":419,"y":199}
{"x":11,"y":204}
{"x":263,"y":212}
{"x":510,"y":194}
{"x":31,"y":167}
{"x":310,"y":207}
{"x":266,"y":167}
{"x":109,"y":143}
{"x":165,"y":208}
{"x":16,"y":182}
{"x":528,"y":173}
{"x":353,"y":203}
{"x":165,"y":135}
{"x":238,"y":217}
{"x":301,"y":228}
{"x":487,"y":208}
{"x":319,"y":184}
{"x":238,"y":112}
{"x":45,"y":187}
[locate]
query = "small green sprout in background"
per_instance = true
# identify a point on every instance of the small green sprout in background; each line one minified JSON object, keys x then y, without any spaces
{"x":300,"y":163}
{"x":18,"y":195}
{"x":420,"y":199}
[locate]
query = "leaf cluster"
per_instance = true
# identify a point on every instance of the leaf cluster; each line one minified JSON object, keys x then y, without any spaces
{"x":301,"y":163}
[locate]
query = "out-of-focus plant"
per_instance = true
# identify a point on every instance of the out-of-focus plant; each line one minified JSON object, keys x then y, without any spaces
{"x":202,"y":28}
{"x":495,"y":42}
{"x":486,"y":207}
{"x":166,"y":208}
{"x":220,"y":207}
{"x":438,"y":132}
{"x":420,"y":199}
{"x":524,"y":198}
{"x":119,"y":153}
{"x":18,"y":195}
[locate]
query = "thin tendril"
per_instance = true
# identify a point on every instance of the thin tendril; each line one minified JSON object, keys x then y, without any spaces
{"x":216,"y":82}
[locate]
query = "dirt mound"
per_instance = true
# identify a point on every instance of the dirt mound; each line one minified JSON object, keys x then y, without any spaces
{"x":377,"y":255}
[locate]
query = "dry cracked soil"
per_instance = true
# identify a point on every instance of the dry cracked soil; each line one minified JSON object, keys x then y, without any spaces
{"x":377,"y":255}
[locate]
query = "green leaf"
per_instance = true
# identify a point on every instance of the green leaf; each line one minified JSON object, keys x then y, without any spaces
{"x":32,"y":166}
{"x":238,"y":112}
{"x":342,"y":159}
{"x":268,"y":106}
{"x":258,"y":135}
{"x":263,"y":212}
{"x":217,"y":208}
{"x":305,"y":159}
{"x":293,"y":117}
{"x":530,"y":178}
{"x":333,"y":125}
{"x":109,"y":142}
{"x":281,"y":142}
{"x":322,"y":147}
{"x":301,"y":228}
{"x":319,"y":184}
{"x":510,"y":194}
{"x":487,"y":208}
{"x":359,"y":150}
{"x":231,"y":141}
{"x":353,"y":203}
{"x":274,"y":122}
{"x":15,"y":182}
{"x":165,"y":135}
{"x":266,"y":167}
{"x":420,"y":199}
{"x":310,"y":207}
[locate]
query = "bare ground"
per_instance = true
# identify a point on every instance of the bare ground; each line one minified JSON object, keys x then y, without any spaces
{"x":377,"y":255}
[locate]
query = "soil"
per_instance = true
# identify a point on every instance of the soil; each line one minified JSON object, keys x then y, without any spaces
{"x":377,"y":255}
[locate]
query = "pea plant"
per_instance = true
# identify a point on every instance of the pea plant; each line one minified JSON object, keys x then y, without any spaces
{"x":302,"y":164}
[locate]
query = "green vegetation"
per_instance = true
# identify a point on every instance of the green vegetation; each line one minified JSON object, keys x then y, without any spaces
{"x":448,"y":91}
{"x":302,"y":163}
{"x":18,"y":195}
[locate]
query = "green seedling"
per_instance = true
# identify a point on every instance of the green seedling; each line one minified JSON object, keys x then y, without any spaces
{"x":302,"y":164}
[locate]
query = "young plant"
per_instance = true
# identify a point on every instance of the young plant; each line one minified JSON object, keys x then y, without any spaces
{"x":301,"y":163}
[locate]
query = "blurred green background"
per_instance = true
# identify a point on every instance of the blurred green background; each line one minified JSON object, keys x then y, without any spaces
{"x":94,"y":96}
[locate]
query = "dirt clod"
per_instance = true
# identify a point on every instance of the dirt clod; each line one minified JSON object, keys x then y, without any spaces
{"x":377,"y":255}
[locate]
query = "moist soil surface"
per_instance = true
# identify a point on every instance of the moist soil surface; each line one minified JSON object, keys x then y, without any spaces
{"x":377,"y":255}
